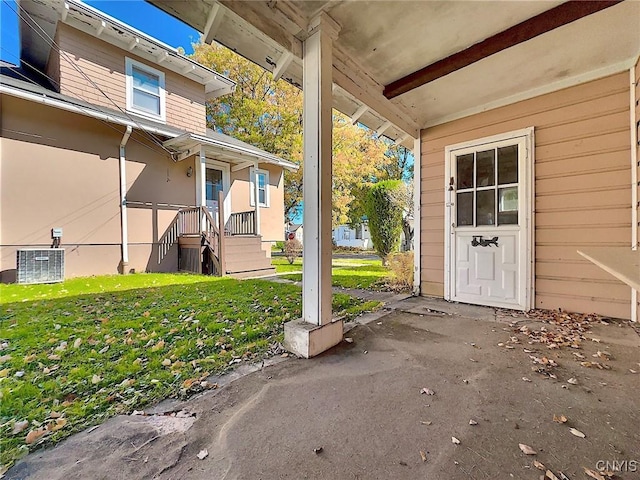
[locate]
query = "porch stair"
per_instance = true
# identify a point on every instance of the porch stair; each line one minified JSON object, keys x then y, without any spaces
{"x":244,"y":257}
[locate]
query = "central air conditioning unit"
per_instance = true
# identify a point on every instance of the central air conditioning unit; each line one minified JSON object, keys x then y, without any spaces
{"x":40,"y":266}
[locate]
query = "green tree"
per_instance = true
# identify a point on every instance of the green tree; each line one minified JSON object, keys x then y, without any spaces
{"x":385,"y":217}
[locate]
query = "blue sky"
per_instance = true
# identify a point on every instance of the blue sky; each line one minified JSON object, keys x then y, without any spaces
{"x":137,"y":13}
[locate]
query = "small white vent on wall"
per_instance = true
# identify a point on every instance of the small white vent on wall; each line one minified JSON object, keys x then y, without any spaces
{"x":40,"y":266}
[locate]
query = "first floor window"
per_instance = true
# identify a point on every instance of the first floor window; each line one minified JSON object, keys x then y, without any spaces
{"x":263,"y":187}
{"x":145,"y":90}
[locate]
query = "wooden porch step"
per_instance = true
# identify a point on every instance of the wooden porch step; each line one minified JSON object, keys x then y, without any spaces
{"x":244,"y":257}
{"x":265,"y":272}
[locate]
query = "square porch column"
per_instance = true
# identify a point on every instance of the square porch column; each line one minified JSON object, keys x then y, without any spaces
{"x":316,"y":331}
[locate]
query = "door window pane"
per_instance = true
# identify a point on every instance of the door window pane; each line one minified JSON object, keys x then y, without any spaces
{"x":485,"y":174}
{"x":213,"y":183}
{"x":485,"y":207}
{"x":508,"y":206}
{"x":464,"y":170}
{"x":465,"y":209}
{"x":508,"y":165}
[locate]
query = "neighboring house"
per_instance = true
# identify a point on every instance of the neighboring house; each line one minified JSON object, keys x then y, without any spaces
{"x":104,"y":136}
{"x":359,"y":237}
{"x":295,"y":229}
{"x":524,"y":119}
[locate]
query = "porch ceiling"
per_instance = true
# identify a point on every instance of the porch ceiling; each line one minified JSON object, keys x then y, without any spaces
{"x":383,"y":41}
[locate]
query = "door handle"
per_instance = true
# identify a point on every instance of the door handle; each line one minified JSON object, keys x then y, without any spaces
{"x":478,"y":241}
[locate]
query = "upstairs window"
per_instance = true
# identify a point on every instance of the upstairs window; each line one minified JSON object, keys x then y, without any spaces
{"x":263,"y":187}
{"x":145,"y":90}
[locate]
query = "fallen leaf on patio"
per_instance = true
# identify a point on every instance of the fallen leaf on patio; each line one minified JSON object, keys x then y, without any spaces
{"x":318,"y":450}
{"x":34,"y":435}
{"x":550,"y":475}
{"x":423,"y":456}
{"x":579,"y":355}
{"x":19,"y":427}
{"x":203,"y":454}
{"x":560,"y":419}
{"x":631,"y":370}
{"x":603,"y":355}
{"x":593,"y":474}
{"x":501,"y":344}
{"x":539,"y":465}
{"x":95,"y":379}
{"x":577,"y":433}
{"x":572,"y":381}
{"x":426,"y":391}
{"x":597,"y":340}
{"x":474,"y":361}
{"x":472,"y":422}
{"x":526,"y":379}
{"x":284,"y":355}
{"x":425,"y":423}
{"x":526,"y":449}
{"x":455,"y":440}
{"x":348,"y":339}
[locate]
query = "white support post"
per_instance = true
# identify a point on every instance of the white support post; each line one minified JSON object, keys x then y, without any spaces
{"x":316,"y":332}
{"x":201,"y":172}
{"x":256,"y":196}
{"x":417,"y":221}
{"x":634,"y":181}
{"x":124,"y":234}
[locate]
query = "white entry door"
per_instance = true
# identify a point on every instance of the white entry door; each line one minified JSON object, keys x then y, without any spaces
{"x":489,"y":221}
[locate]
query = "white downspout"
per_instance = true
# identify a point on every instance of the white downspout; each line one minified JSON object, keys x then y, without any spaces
{"x":634,"y":180}
{"x":256,"y":196}
{"x":417,"y":221}
{"x":124,"y":262}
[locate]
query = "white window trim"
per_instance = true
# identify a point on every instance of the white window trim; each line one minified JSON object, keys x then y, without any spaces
{"x":252,"y":177}
{"x":129,"y":64}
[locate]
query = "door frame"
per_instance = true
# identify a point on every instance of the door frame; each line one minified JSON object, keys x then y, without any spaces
{"x":201,"y":192}
{"x":527,"y":287}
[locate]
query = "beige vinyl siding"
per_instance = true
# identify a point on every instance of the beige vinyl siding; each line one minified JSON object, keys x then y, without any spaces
{"x":104,"y":64}
{"x":582,"y":194}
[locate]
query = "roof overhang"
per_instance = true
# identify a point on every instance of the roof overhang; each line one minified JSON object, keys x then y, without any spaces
{"x":381,"y":42}
{"x":224,"y":148}
{"x":35,"y":49}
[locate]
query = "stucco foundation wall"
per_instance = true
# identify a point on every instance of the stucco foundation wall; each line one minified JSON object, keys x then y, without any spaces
{"x":105,"y":65}
{"x":582,"y":190}
{"x":272,"y":217}
{"x":60,"y":169}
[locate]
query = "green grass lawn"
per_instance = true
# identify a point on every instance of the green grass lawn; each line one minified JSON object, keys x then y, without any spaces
{"x":76,"y":353}
{"x":346,"y":272}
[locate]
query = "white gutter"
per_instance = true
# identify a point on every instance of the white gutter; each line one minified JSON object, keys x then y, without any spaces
{"x":124,"y":263}
{"x":634,"y":180}
{"x":82,"y":110}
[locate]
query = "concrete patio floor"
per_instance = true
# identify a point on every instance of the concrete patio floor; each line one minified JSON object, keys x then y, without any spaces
{"x":360,"y":407}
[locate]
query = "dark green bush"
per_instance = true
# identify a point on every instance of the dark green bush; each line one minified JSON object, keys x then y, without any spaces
{"x":385,"y":217}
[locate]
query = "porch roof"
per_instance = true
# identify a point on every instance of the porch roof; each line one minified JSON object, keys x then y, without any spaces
{"x":225,"y":148}
{"x":382,"y":42}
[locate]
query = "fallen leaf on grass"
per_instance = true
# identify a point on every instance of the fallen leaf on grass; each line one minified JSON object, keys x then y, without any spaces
{"x":526,"y":449}
{"x":77,"y":343}
{"x":4,"y":373}
{"x":423,"y":456}
{"x":19,"y":427}
{"x":550,"y":475}
{"x":57,"y":425}
{"x":539,"y":465}
{"x":577,"y":433}
{"x":158,"y":346}
{"x":166,"y":362}
{"x":30,"y":358}
{"x":559,"y":419}
{"x":455,"y":440}
{"x":96,"y":379}
{"x":203,"y":454}
{"x":34,"y":435}
{"x":426,"y":391}
{"x":594,"y":474}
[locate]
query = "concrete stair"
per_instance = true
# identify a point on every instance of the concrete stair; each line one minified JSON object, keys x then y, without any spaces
{"x":244,"y":257}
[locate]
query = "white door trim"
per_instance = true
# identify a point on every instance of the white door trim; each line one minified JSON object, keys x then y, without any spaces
{"x":226,"y":183}
{"x":527,"y":134}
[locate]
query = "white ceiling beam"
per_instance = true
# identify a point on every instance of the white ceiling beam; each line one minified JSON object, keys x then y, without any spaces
{"x":133,"y":43}
{"x":213,"y":22}
{"x":401,"y":139}
{"x":282,"y":64}
{"x":188,"y":69}
{"x":162,"y":57}
{"x":242,"y":166}
{"x":361,"y":111}
{"x":101,"y":28}
{"x":184,"y":154}
{"x":65,"y":12}
{"x":383,"y":128}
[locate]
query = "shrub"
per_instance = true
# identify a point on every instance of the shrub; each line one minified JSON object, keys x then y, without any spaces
{"x":401,"y":266}
{"x":385,"y":217}
{"x":292,"y":249}
{"x":280,"y":246}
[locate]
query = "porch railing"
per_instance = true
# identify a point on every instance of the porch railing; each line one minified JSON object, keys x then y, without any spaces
{"x":241,"y":223}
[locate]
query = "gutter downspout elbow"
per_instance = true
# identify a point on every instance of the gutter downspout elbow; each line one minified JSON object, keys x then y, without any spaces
{"x":124,"y":261}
